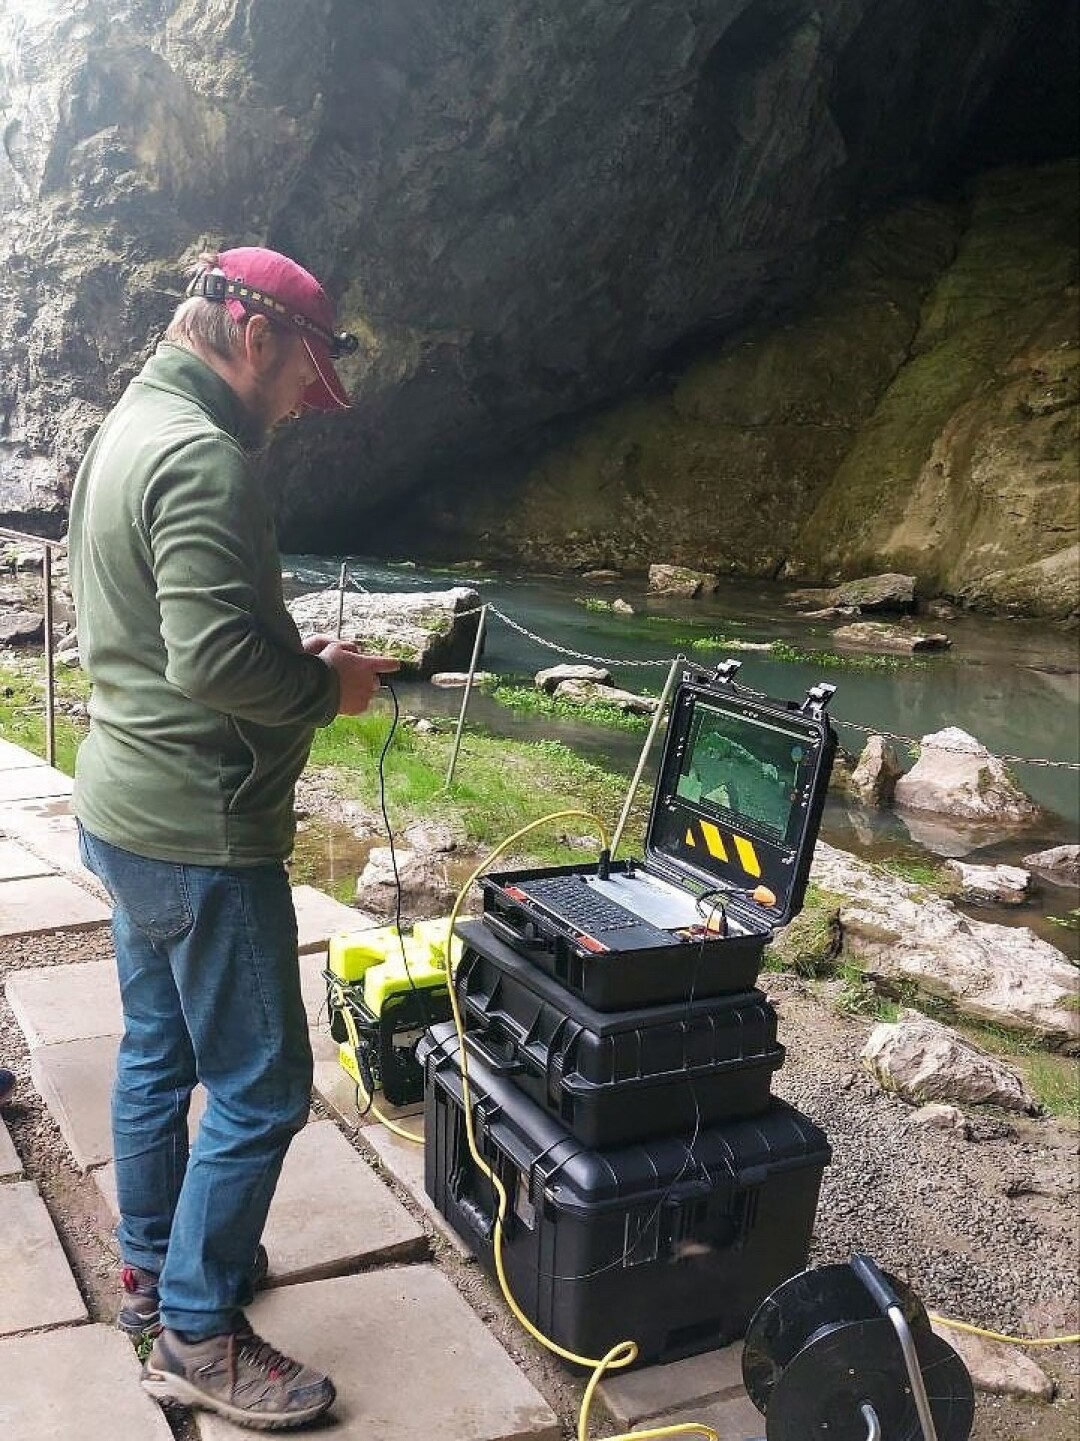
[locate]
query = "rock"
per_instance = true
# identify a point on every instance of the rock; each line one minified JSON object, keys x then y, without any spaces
{"x":939,"y":610}
{"x":554,"y":676}
{"x":830,"y":612}
{"x":680,"y":580}
{"x":997,"y":1368}
{"x":429,"y":630}
{"x":431,"y":836}
{"x":901,"y":933}
{"x":584,"y":692}
{"x":424,"y":878}
{"x":21,"y":627}
{"x":1003,"y":885}
{"x":956,"y":775}
{"x":877,"y":636}
{"x":1046,"y":587}
{"x":875,"y":775}
{"x":940,"y":1116}
{"x":890,"y":592}
{"x":455,"y":679}
{"x":921,"y":1060}
{"x":1060,"y":863}
{"x":622,"y":607}
{"x":602,"y":577}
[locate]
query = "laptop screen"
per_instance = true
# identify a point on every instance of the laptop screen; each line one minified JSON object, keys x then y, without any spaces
{"x":749,"y":775}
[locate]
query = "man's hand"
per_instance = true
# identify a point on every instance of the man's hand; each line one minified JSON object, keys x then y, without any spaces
{"x":358,"y":674}
{"x":316,"y":644}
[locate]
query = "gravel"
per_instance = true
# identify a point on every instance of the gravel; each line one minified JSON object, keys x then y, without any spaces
{"x":985,"y":1229}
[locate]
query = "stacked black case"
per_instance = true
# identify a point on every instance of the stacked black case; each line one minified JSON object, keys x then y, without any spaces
{"x":657,"y":1190}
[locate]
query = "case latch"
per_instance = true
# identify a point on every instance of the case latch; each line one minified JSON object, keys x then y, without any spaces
{"x":817,"y":698}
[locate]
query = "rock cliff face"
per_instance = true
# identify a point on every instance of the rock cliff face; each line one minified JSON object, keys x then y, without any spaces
{"x":526,"y":211}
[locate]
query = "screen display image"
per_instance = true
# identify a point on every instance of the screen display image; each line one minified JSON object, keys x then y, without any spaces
{"x":748,"y":772}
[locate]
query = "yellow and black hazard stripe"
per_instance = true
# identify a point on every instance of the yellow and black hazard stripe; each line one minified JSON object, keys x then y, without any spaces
{"x":709,"y":835}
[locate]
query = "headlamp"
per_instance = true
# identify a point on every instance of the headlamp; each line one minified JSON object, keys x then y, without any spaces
{"x":213,"y":284}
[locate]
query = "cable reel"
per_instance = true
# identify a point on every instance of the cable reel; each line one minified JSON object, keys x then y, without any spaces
{"x":846,"y":1353}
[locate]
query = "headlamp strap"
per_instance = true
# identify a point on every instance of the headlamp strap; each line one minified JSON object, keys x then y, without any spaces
{"x":213,"y":284}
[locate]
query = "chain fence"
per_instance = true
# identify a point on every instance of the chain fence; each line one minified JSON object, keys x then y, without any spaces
{"x":546,"y":643}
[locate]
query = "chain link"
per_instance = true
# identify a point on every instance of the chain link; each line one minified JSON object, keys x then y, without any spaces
{"x":546,"y":644}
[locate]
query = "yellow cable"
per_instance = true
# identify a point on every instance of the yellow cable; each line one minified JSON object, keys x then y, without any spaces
{"x":999,"y":1336}
{"x":625,"y":1352}
{"x":354,"y":1041}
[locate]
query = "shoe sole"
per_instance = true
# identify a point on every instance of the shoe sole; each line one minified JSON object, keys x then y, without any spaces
{"x":170,"y":1390}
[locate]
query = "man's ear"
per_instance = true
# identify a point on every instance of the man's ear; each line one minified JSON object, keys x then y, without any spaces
{"x":258,"y":341}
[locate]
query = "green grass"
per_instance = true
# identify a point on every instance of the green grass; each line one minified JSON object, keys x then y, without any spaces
{"x":498,"y":786}
{"x":1052,"y":1078}
{"x":919,"y":872}
{"x":810,"y":942}
{"x":531,"y":700}
{"x":22,"y":707}
{"x":828,"y":660}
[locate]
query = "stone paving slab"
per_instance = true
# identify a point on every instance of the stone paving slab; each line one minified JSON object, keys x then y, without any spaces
{"x":13,"y":757}
{"x":66,"y":1003}
{"x":319,"y":916}
{"x":408,"y":1356}
{"x":707,"y":1388}
{"x":10,"y":1165}
{"x":33,"y":783}
{"x":108,"y":1403}
{"x":41,"y":904}
{"x":16,"y":862}
{"x":39,"y":1289}
{"x":404,"y":1160}
{"x":47,"y":826}
{"x":331,"y":1214}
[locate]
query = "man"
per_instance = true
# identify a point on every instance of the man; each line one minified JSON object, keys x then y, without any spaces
{"x":203,"y":709}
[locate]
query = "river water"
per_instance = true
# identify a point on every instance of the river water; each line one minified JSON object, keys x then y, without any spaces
{"x":1013,"y":684}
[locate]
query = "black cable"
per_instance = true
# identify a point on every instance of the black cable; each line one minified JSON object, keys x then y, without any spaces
{"x":421,"y":997}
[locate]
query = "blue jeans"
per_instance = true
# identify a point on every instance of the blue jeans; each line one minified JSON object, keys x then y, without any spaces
{"x":210,"y":986}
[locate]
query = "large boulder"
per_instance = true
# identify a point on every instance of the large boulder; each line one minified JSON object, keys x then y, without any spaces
{"x":921,"y":1060}
{"x":902,"y":934}
{"x":588,"y":693}
{"x":876,"y":772}
{"x":956,"y":775}
{"x":1058,"y":863}
{"x":428,"y":631}
{"x":680,"y":580}
{"x":875,"y":635}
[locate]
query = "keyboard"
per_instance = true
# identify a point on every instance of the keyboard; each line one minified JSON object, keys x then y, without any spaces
{"x":578,"y":904}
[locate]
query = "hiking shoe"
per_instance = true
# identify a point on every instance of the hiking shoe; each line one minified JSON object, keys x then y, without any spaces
{"x":7,"y":1085}
{"x":140,"y":1315}
{"x":238,"y":1375}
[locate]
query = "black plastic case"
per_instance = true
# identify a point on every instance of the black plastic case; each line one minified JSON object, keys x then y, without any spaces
{"x":754,"y":827}
{"x":667,"y":1244}
{"x":612,"y":1078}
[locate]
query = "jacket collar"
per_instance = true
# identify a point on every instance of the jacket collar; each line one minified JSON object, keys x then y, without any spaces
{"x":179,"y":370}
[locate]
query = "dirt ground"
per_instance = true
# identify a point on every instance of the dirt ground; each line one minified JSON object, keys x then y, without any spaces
{"x":986,"y":1230}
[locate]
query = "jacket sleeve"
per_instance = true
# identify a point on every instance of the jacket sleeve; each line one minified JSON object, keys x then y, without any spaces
{"x":229,"y":642}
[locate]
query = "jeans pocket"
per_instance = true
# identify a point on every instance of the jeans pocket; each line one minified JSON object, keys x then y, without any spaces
{"x":153,"y":894}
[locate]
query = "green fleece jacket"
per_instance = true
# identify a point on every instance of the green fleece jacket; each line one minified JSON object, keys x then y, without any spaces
{"x":204,"y":703}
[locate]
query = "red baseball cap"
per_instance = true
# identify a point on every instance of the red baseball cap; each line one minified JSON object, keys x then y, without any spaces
{"x":253,"y":279}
